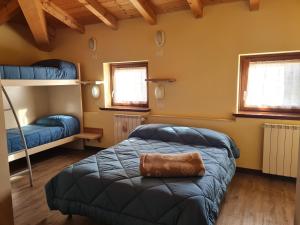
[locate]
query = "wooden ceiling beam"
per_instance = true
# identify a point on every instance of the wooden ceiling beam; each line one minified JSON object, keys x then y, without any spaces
{"x":35,"y":17}
{"x":8,"y":11}
{"x":254,"y":4}
{"x":146,"y":10}
{"x":196,"y":7}
{"x":98,"y":10}
{"x":62,"y":15}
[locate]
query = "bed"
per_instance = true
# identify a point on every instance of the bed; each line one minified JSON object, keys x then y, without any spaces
{"x":52,"y":69}
{"x":44,"y":130}
{"x":108,"y":188}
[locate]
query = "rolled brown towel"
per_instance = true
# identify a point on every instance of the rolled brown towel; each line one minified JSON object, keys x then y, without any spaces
{"x":171,"y":165}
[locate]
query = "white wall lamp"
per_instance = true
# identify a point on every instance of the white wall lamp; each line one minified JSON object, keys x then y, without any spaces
{"x":92,"y":43}
{"x":159,"y":91}
{"x":160,"y":38}
{"x":95,"y":90}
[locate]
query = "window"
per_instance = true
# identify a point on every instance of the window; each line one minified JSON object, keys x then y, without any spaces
{"x":128,"y":84}
{"x":270,"y":83}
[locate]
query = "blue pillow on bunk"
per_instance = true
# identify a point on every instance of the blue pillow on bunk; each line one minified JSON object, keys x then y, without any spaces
{"x":47,"y":121}
{"x":70,"y":124}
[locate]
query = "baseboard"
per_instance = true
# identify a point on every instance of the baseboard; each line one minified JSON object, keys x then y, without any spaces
{"x":246,"y":170}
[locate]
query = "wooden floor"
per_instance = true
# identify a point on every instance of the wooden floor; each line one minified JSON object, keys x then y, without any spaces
{"x":251,"y":199}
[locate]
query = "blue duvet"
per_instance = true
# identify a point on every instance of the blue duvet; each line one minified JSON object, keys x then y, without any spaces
{"x":43,"y":70}
{"x":108,"y":188}
{"x":43,"y":131}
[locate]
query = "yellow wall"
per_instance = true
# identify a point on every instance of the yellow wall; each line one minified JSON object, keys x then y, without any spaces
{"x":16,"y":46}
{"x":202,"y":54}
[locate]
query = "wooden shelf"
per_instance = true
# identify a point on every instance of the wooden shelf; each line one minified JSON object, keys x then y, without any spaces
{"x":86,"y":82}
{"x":11,"y":82}
{"x":88,"y":136}
{"x":126,"y":108}
{"x":158,"y":80}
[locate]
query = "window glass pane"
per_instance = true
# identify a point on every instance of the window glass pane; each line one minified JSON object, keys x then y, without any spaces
{"x":130,"y":86}
{"x":273,"y":84}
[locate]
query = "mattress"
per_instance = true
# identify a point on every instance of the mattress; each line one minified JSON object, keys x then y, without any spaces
{"x":43,"y":131}
{"x":108,"y":188}
{"x":44,"y":70}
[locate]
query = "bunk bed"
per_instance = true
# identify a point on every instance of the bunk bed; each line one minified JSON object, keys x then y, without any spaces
{"x":49,"y":131}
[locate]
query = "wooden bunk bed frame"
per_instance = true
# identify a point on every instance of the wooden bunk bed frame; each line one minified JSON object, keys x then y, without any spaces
{"x":21,"y":154}
{"x":81,"y":136}
{"x":33,"y":83}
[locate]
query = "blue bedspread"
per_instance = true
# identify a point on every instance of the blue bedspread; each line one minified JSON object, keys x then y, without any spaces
{"x":45,"y":130}
{"x":43,"y":70}
{"x":108,"y":188}
{"x":35,"y":135}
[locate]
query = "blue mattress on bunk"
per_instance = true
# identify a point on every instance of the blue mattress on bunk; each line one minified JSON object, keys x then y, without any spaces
{"x":43,"y":131}
{"x":52,"y":69}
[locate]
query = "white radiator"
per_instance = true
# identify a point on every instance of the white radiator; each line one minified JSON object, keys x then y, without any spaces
{"x":281,"y":146}
{"x":124,"y":124}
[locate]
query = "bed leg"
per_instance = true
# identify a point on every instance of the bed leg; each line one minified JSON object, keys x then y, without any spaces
{"x":69,"y":216}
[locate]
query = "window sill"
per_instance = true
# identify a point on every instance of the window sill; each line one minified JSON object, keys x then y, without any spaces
{"x":125,"y":108}
{"x":267,"y":115}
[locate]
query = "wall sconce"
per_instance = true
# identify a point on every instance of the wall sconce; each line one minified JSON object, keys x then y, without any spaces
{"x":92,"y":44}
{"x":159,"y":92}
{"x":160,"y":38}
{"x":95,"y":91}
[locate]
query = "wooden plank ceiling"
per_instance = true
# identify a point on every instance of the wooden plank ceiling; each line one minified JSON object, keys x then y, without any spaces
{"x":76,"y":14}
{"x":126,"y":9}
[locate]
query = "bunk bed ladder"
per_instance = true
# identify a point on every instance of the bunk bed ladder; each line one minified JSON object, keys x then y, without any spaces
{"x":29,"y":170}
